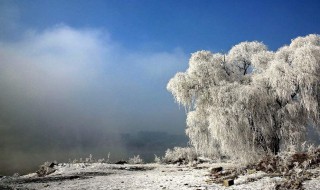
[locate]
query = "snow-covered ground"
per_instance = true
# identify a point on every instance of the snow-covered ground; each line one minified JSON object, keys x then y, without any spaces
{"x":146,"y":176}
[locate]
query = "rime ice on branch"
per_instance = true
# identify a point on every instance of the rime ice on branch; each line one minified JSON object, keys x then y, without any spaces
{"x":250,"y":101}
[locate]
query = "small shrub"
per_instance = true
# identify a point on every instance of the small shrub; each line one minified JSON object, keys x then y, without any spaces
{"x":157,"y":159}
{"x":90,"y":159}
{"x":180,"y":155}
{"x":136,"y":160}
{"x":108,"y":158}
{"x":101,"y":160}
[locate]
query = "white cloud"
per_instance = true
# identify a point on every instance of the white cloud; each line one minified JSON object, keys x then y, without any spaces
{"x":53,"y":62}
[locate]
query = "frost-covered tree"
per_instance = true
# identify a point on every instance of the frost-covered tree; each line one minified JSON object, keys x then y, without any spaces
{"x":250,"y":101}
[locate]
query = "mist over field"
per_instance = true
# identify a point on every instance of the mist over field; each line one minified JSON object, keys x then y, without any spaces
{"x":68,"y":93}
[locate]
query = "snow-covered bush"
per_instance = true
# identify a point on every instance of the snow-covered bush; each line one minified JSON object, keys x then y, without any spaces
{"x":250,"y":101}
{"x":157,"y":159}
{"x":135,"y":160}
{"x":108,"y":158}
{"x":180,"y":155}
{"x":90,"y":159}
{"x":102,"y":160}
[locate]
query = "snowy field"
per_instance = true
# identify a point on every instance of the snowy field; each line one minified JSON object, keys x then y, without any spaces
{"x":145,"y":176}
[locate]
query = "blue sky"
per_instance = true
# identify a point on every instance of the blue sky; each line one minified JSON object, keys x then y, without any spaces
{"x":74,"y":71}
{"x":191,"y":25}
